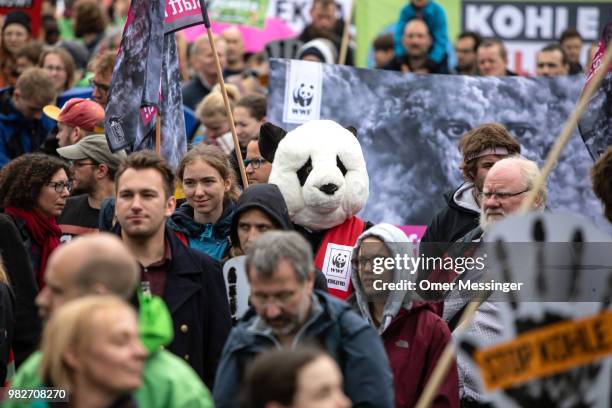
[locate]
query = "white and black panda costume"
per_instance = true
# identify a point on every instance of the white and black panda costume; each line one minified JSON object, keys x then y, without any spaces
{"x":321,"y":172}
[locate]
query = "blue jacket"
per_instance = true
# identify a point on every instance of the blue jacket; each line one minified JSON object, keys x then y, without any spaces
{"x":353,"y":343}
{"x":212,"y":239}
{"x":18,"y":135}
{"x":435,"y":18}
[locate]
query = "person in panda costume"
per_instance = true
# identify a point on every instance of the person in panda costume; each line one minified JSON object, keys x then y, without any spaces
{"x":321,"y":172}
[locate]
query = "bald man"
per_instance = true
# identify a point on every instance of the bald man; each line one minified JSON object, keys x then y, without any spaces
{"x":97,"y":264}
{"x":101,"y":264}
{"x":234,"y":54}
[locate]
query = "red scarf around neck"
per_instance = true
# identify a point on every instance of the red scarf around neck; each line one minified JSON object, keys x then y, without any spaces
{"x":44,"y":231}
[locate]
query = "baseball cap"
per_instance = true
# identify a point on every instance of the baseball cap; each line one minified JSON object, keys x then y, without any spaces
{"x":78,"y":112}
{"x":93,"y":147}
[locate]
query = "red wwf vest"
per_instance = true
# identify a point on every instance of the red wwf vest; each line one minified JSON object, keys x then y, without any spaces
{"x":334,"y":256}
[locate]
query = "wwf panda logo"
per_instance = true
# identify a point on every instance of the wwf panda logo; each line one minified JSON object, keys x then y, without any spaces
{"x":340,"y":260}
{"x":303,"y":94}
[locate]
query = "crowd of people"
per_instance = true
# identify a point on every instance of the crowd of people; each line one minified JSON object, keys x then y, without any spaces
{"x":111,"y":266}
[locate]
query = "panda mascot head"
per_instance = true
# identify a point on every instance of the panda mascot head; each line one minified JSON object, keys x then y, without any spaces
{"x":320,"y":170}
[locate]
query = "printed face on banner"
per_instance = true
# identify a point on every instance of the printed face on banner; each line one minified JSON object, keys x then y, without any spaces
{"x":410,"y":127}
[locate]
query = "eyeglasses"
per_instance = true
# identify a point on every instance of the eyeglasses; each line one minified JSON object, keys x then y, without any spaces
{"x":255,"y":162}
{"x":102,"y":87}
{"x":59,"y":186}
{"x":501,"y":196}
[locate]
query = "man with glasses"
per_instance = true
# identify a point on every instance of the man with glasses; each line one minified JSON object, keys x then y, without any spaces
{"x":76,"y":119}
{"x":93,"y":169}
{"x":102,"y":67}
{"x":21,"y":130}
{"x":505,"y":188}
{"x":288,"y":312}
{"x":256,"y":167}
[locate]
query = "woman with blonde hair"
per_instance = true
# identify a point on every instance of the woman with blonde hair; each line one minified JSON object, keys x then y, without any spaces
{"x":209,"y":184}
{"x":91,"y":349}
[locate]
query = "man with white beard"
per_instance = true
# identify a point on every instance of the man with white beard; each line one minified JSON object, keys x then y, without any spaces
{"x":505,"y":187}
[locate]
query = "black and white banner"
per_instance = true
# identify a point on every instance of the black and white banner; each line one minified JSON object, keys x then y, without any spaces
{"x":409,"y":127}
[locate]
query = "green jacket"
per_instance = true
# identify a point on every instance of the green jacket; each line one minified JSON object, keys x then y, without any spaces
{"x":168,"y":382}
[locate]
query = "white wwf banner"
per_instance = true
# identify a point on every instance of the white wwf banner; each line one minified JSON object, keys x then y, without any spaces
{"x":303,"y":88}
{"x":337,"y":266}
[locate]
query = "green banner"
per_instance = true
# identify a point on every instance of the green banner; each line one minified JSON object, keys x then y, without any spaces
{"x":244,"y":12}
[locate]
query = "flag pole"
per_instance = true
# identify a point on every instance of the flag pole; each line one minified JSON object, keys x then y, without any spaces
{"x":566,"y":133}
{"x":158,"y":133}
{"x":228,"y":109}
{"x":345,"y":34}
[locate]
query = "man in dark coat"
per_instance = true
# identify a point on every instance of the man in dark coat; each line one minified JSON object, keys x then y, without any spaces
{"x":203,"y":63}
{"x":287,"y":312}
{"x":190,"y":282}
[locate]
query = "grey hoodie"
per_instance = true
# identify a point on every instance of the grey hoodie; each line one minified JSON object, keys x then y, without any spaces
{"x":397,"y":242}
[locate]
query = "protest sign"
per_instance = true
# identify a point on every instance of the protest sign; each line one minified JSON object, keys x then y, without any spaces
{"x":409,"y":127}
{"x":30,"y":7}
{"x":545,"y":351}
{"x":527,"y":26}
{"x":237,"y":286}
{"x":549,"y":343}
{"x":245,"y":12}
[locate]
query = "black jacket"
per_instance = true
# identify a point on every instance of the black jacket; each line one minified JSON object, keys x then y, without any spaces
{"x":452,"y":222}
{"x":195,"y":295}
{"x":17,"y":263}
{"x":193,"y":93}
{"x":268,"y":199}
{"x":447,"y":226}
{"x":7,"y":326}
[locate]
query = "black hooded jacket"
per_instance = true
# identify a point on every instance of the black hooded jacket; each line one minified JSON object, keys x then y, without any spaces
{"x":268,"y":199}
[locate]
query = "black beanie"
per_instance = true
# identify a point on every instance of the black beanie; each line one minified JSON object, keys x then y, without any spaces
{"x":18,"y":17}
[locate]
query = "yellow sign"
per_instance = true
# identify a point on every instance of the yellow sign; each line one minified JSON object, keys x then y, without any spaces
{"x":545,"y":351}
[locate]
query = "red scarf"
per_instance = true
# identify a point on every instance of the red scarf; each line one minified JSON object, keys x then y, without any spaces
{"x":44,"y":231}
{"x":335,"y":260}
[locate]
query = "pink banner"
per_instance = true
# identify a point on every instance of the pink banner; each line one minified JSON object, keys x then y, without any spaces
{"x":181,"y":14}
{"x":254,"y":38}
{"x":413,"y":232}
